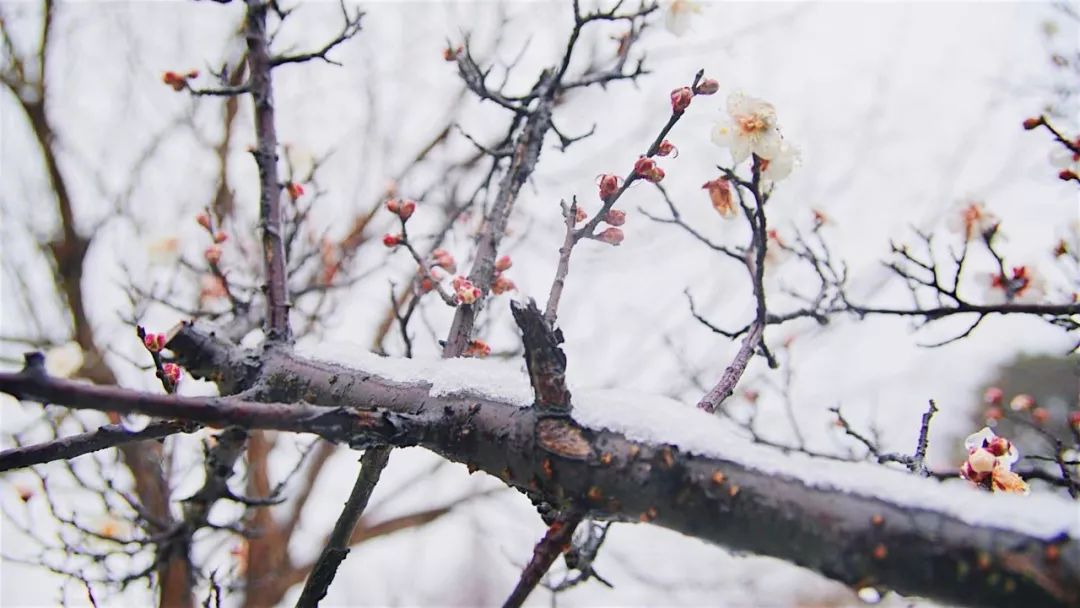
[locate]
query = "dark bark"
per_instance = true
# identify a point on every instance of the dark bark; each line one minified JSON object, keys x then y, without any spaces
{"x":857,"y":539}
{"x":73,"y":446}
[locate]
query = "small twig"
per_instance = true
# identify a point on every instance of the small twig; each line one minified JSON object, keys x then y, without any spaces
{"x":555,"y":541}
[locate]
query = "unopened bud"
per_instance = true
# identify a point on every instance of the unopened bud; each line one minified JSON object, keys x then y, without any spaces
{"x":680,"y":99}
{"x":609,"y":185}
{"x":203,"y":220}
{"x":707,"y":86}
{"x":502,"y":264}
{"x":391,"y":240}
{"x":580,"y":215}
{"x":213,"y":254}
{"x":644,"y":165}
{"x":1067,"y":175}
{"x":393,"y":206}
{"x":406,"y":209}
{"x":615,"y":217}
{"x":172,"y":372}
{"x":220,"y":237}
{"x":1032,"y":123}
{"x":295,"y":190}
{"x":667,"y":148}
{"x":656,"y":175}
{"x":611,"y":236}
{"x":502,"y":285}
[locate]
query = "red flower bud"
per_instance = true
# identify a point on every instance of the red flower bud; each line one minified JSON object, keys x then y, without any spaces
{"x":213,"y":254}
{"x":172,"y":372}
{"x":995,"y":413}
{"x":391,"y":240}
{"x":1066,"y":175}
{"x":203,"y":220}
{"x":667,"y":148}
{"x":611,"y":236}
{"x":503,"y":264}
{"x":609,"y":185}
{"x":193,"y":74}
{"x":406,"y":209}
{"x":393,"y":206}
{"x":1074,"y":419}
{"x":580,"y":215}
{"x":680,"y":99}
{"x":502,"y":285}
{"x":1032,"y":123}
{"x":295,"y":190}
{"x":451,"y":54}
{"x":477,"y":348}
{"x":174,"y":80}
{"x":615,"y":217}
{"x":994,"y":396}
{"x":707,"y":86}
{"x":1040,"y":415}
{"x":220,"y":237}
{"x":644,"y":165}
{"x":154,"y":342}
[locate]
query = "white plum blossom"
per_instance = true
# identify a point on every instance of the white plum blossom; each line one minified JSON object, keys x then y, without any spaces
{"x":64,"y":360}
{"x":986,"y":437}
{"x":989,"y":463}
{"x":971,"y":219}
{"x":780,"y":166}
{"x":679,"y":14}
{"x":750,"y":129}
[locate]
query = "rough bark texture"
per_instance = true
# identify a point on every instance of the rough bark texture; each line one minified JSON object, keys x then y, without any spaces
{"x":856,"y":539}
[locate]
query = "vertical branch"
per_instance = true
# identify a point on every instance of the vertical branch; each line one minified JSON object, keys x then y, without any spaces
{"x":372,"y":464}
{"x":261,"y":87}
{"x":557,"y":538}
{"x":525,"y":156}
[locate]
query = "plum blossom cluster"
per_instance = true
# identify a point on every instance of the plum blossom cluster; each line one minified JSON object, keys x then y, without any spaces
{"x":751,"y":129}
{"x":1022,"y":403}
{"x":989,"y":463}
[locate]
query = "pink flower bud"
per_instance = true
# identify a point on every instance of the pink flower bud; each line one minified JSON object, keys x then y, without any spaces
{"x":477,"y":348}
{"x":503,"y":264}
{"x":391,"y":240}
{"x":393,"y":206}
{"x":667,"y":148}
{"x":615,"y":217}
{"x":502,"y":285}
{"x":220,"y":237}
{"x":295,"y":190}
{"x":154,"y":342}
{"x":1032,"y":123}
{"x":1040,"y":415}
{"x":1074,"y":420}
{"x":466,"y":292}
{"x":406,"y":209}
{"x":707,"y":86}
{"x":644,"y":166}
{"x":203,"y":220}
{"x":580,"y":215}
{"x":213,"y":254}
{"x":609,"y":185}
{"x":680,"y":99}
{"x":993,"y":396}
{"x":611,"y":236}
{"x":444,"y":260}
{"x":656,"y":175}
{"x":172,"y":372}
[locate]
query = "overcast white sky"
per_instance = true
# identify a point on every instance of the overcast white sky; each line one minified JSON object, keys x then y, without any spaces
{"x":900,"y":110}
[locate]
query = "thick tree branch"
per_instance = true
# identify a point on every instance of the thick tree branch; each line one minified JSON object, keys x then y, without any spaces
{"x":854,"y":537}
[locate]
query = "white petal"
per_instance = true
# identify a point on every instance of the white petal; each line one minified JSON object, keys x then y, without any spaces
{"x":781,"y":166}
{"x":724,"y":134}
{"x":767,"y":144}
{"x":738,"y":103}
{"x":740,"y":148}
{"x":975,"y":440}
